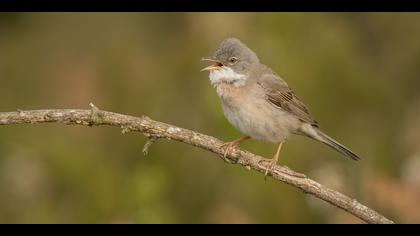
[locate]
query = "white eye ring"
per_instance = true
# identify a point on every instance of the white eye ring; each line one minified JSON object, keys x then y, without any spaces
{"x":233,"y":60}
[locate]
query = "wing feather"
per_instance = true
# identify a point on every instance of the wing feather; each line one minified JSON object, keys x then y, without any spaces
{"x":282,"y":96}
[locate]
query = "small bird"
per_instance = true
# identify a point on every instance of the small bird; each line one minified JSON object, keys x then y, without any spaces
{"x":259,"y":102}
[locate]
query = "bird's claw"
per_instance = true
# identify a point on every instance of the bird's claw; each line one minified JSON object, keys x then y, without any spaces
{"x":269,"y":167}
{"x":228,"y":146}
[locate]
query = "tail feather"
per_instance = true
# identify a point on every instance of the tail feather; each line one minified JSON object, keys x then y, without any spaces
{"x":317,"y":134}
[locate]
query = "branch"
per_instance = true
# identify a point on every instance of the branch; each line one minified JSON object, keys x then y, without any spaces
{"x":155,"y":130}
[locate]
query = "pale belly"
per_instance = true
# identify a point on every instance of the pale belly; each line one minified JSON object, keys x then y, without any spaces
{"x":259,"y":119}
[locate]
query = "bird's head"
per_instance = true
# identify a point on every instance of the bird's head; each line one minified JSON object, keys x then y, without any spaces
{"x":232,"y":61}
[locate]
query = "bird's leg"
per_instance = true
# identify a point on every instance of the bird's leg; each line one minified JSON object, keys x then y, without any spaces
{"x":273,"y":162}
{"x":228,"y":146}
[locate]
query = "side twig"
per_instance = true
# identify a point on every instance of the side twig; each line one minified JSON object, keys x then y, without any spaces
{"x":155,"y":130}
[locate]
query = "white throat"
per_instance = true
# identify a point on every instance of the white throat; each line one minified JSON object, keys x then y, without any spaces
{"x":226,"y":75}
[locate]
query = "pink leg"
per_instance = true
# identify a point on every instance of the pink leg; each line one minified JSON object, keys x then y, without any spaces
{"x":273,"y":162}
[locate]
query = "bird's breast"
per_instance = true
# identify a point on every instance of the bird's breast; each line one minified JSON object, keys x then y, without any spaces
{"x":248,"y":111}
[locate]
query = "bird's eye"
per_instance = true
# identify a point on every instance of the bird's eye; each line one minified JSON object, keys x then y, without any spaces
{"x":233,"y":60}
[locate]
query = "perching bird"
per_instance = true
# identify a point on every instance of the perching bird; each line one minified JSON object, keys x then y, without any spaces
{"x":259,"y":102}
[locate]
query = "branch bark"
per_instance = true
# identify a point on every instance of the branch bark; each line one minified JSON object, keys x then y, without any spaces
{"x":155,"y":130}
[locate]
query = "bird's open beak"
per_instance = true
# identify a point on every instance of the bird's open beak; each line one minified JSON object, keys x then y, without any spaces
{"x":216,"y":65}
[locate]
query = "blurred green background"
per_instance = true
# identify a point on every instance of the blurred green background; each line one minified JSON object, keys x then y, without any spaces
{"x":359,"y":74}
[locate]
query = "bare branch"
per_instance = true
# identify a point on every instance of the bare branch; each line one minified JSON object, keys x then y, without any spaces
{"x":155,"y":130}
{"x":147,"y":145}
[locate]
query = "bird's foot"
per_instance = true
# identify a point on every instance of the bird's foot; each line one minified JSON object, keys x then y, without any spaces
{"x":269,"y":166}
{"x":229,"y":146}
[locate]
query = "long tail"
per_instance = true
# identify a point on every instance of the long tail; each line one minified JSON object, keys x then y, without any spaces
{"x":317,"y":134}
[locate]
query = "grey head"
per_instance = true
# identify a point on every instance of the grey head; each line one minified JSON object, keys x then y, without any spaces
{"x":234,"y":54}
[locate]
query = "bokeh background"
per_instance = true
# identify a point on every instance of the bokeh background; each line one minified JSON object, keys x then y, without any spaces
{"x":359,"y":73}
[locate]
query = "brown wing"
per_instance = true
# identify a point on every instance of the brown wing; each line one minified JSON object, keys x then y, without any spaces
{"x":280,"y":95}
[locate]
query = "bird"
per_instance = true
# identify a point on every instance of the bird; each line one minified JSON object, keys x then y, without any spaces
{"x":258,"y":102}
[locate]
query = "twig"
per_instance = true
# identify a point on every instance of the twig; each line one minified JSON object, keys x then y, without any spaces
{"x":155,"y":129}
{"x":147,"y":145}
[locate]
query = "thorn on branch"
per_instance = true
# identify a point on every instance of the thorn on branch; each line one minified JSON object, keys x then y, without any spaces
{"x":96,"y":115}
{"x":151,"y":140}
